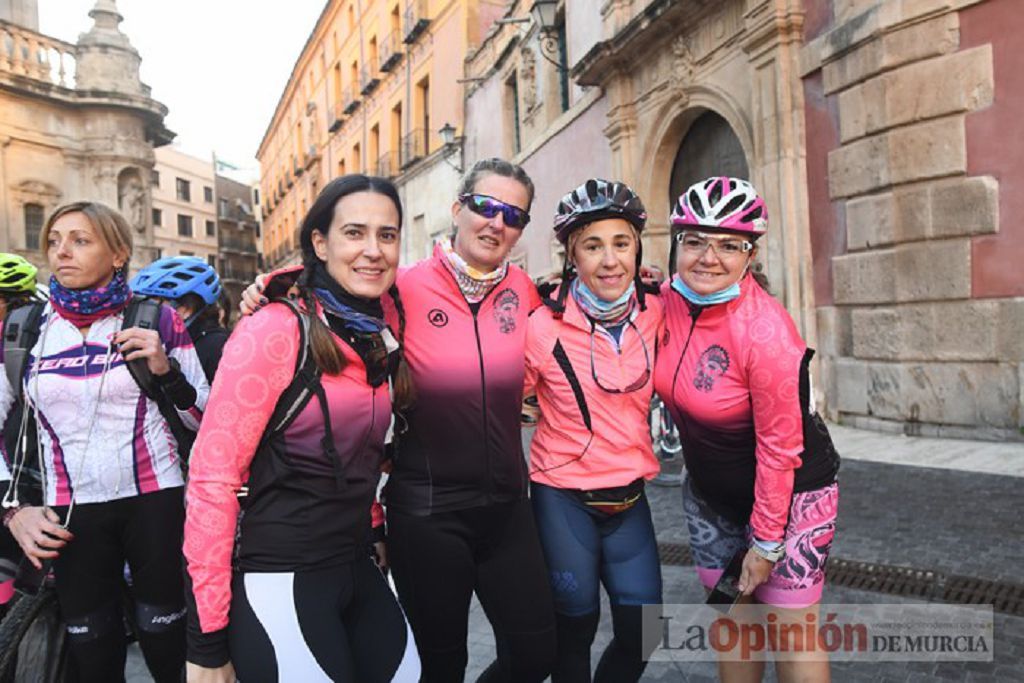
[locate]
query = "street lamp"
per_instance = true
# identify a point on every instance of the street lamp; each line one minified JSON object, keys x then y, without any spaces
{"x":447,"y":133}
{"x":545,"y":14}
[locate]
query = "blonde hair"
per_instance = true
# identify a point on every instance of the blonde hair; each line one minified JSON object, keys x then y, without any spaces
{"x":110,"y":226}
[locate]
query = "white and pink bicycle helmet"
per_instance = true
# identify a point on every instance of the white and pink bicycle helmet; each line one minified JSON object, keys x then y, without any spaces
{"x":728,"y":204}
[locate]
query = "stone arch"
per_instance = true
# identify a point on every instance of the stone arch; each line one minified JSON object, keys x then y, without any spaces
{"x":662,"y":145}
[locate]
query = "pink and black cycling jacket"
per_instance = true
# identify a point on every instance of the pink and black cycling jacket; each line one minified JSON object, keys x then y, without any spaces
{"x":463,"y":446}
{"x":735,"y":378}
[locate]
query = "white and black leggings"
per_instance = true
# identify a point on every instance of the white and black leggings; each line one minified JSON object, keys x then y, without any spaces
{"x":340,"y":624}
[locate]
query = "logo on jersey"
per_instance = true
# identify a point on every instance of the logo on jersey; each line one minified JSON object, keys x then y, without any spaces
{"x":712,"y":364}
{"x":437,"y":317}
{"x":506,"y":306}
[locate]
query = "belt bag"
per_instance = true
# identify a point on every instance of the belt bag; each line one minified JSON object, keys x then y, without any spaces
{"x":613,"y":500}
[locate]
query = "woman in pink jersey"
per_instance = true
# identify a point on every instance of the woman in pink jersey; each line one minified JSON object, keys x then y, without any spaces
{"x":285,"y":589}
{"x":589,"y":358}
{"x":733,"y":371}
{"x":459,"y":520}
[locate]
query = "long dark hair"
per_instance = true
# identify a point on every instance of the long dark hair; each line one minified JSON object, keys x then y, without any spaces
{"x":326,"y":353}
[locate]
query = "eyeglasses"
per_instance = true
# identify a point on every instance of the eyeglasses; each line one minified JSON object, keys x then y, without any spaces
{"x":637,"y":383}
{"x":697,"y":243}
{"x":489,"y":207}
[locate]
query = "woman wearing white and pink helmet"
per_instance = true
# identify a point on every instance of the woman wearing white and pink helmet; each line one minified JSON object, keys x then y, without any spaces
{"x":733,"y":370}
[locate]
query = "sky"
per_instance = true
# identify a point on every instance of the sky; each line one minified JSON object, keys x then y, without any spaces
{"x":218,"y":65}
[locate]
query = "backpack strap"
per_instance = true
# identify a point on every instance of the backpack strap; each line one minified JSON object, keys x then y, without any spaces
{"x":562,"y":358}
{"x":21,"y":330}
{"x":303,"y":387}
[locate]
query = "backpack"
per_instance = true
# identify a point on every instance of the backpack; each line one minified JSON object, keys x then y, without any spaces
{"x":21,"y":331}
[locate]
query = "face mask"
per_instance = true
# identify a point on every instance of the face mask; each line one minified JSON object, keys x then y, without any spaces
{"x":720,"y":297}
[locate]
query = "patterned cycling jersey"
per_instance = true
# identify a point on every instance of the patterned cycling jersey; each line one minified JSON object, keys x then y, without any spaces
{"x":129,"y":449}
{"x":463,"y":447}
{"x":735,"y":378}
{"x":308,"y":507}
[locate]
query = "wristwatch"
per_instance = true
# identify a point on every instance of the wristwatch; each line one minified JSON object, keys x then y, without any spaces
{"x":773,"y":551}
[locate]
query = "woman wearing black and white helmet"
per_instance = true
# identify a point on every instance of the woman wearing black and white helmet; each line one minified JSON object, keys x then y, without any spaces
{"x":589,"y":358}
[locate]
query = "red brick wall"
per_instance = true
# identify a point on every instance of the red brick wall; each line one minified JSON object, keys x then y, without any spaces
{"x":995,"y":146}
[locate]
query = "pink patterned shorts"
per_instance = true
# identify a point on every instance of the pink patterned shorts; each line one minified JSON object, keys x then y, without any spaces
{"x":798,"y":578}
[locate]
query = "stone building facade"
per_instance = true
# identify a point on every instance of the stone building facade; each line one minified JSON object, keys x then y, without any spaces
{"x":369,"y":92}
{"x":238,"y":235}
{"x":75,"y":123}
{"x":184,"y":205}
{"x":915,"y":137}
{"x":884,"y":136}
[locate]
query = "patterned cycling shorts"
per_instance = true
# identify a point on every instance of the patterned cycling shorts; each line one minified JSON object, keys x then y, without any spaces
{"x":798,"y":578}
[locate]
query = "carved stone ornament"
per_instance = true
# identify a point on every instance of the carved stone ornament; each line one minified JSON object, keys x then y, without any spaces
{"x":528,"y":77}
{"x":131,"y":199}
{"x":683,"y":67}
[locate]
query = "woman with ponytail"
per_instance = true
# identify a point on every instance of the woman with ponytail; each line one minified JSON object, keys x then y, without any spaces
{"x":295,"y":595}
{"x":459,"y":520}
{"x":112,"y":480}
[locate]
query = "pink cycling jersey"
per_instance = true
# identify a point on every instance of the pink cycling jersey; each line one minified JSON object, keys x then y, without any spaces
{"x":298,"y":514}
{"x":616,"y":448}
{"x":735,"y":379}
{"x":462,"y":448}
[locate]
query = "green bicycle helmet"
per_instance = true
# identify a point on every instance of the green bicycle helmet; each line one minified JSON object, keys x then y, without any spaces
{"x":17,"y":276}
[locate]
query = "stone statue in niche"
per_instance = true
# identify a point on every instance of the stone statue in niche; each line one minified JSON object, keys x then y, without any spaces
{"x":683,"y":67}
{"x":528,"y":77}
{"x":131,"y":199}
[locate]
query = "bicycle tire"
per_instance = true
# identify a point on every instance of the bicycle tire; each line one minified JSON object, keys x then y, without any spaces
{"x":28,"y":613}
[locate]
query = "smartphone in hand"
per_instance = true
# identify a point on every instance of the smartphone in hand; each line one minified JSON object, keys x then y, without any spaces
{"x":726,"y":592}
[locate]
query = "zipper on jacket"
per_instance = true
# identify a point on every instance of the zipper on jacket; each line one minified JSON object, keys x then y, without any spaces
{"x":488,"y":483}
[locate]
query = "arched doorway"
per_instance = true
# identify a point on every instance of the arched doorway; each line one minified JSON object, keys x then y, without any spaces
{"x":710,"y":147}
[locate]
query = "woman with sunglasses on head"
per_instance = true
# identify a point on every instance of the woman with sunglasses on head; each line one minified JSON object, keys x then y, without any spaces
{"x":733,"y":371}
{"x":589,"y":359}
{"x":298,"y":417}
{"x":111,"y":475}
{"x":459,"y":521}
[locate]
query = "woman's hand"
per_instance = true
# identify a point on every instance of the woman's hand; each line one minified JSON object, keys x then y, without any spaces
{"x":529,"y":412}
{"x":252,"y":297}
{"x":755,"y":572}
{"x":136,"y":342}
{"x":201,"y":674}
{"x":39,"y":533}
{"x":380,"y":555}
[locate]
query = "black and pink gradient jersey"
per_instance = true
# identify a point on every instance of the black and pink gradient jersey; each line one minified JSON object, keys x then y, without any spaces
{"x":735,"y":379}
{"x":300,"y":513}
{"x":463,"y":446}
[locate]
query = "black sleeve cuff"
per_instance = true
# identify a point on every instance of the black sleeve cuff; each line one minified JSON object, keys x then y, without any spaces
{"x":176,"y":387}
{"x":377,"y":534}
{"x":209,"y":649}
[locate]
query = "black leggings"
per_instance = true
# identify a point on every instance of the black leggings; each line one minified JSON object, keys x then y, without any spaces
{"x":146,"y":532}
{"x":440,"y":560}
{"x":338,"y":624}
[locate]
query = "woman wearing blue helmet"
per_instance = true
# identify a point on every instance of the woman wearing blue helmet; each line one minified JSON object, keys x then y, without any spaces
{"x":193,"y":288}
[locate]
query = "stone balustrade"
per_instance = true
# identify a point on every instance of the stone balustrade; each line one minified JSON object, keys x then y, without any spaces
{"x":29,"y":54}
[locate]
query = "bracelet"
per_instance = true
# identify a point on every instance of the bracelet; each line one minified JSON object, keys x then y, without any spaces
{"x":9,"y":515}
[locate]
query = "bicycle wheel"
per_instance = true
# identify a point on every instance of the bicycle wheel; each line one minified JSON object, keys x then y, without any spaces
{"x":33,"y":641}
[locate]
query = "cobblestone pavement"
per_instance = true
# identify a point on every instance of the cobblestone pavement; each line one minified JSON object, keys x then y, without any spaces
{"x":947,"y":518}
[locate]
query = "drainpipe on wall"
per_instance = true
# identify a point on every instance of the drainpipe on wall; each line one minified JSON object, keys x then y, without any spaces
{"x":5,"y":241}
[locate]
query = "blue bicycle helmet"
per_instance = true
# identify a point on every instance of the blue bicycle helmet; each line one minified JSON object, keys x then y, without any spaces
{"x":175,"y":276}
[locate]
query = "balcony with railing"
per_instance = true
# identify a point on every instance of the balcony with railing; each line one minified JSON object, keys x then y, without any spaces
{"x":237,"y":244}
{"x":239,"y":274}
{"x":311,"y":156}
{"x":416,"y":20}
{"x":390,"y":52}
{"x":337,"y":117}
{"x":368,"y":79}
{"x":32,"y":55}
{"x":414,"y":147}
{"x":350,"y":101}
{"x":387,"y":165}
